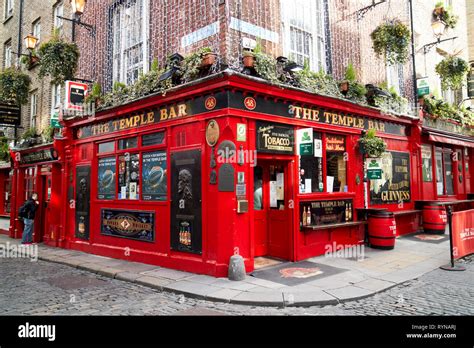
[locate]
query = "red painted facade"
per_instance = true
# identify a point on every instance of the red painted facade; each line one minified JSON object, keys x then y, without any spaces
{"x":224,"y":229}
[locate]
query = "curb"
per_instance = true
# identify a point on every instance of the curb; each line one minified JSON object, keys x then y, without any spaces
{"x":165,"y":288}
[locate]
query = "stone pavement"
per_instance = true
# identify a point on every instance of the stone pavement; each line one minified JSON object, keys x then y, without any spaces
{"x":379,"y":271}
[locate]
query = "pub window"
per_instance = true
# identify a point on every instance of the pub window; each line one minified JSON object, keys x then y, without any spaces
{"x":326,"y":169}
{"x":129,"y":143}
{"x":444,"y":172}
{"x":154,"y":176}
{"x":107,"y":174}
{"x":336,"y":178}
{"x":153,"y":139}
{"x":129,"y":179}
{"x":427,"y":163}
{"x":30,"y":182}
{"x":107,"y":147}
{"x":311,"y":168}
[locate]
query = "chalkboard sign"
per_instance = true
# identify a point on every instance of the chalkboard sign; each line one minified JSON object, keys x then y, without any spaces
{"x":394,"y":187}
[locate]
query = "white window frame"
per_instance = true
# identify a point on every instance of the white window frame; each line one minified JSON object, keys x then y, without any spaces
{"x":58,"y":11}
{"x":8,"y":54}
{"x":33,"y":109}
{"x":393,"y":77}
{"x":121,"y":33}
{"x":9,"y":7}
{"x":305,"y":17}
{"x":36,"y":29}
{"x":55,"y":97}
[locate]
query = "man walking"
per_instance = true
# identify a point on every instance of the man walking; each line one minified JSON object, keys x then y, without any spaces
{"x":27,"y":212}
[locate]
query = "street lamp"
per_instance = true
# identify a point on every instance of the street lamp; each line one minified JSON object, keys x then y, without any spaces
{"x":30,"y":42}
{"x":78,"y":6}
{"x":78,"y":9}
{"x":438,"y":27}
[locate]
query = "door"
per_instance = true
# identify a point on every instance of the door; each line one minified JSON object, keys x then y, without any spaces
{"x":44,"y":199}
{"x":272,"y":213}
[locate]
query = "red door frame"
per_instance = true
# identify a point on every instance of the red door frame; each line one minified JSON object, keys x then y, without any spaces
{"x":286,"y":162}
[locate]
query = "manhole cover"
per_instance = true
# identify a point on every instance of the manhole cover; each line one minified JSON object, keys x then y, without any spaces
{"x":74,"y":282}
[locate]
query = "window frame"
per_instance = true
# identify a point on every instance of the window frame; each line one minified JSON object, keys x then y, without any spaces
{"x":33,"y":108}
{"x":121,"y":68}
{"x":36,"y":29}
{"x":315,"y":28}
{"x":58,"y":23}
{"x":140,"y":150}
{"x":8,"y":9}
{"x":350,"y":190}
{"x":444,"y":151}
{"x":7,"y":54}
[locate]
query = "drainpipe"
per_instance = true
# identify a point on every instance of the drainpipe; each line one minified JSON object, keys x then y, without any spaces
{"x":415,"y":93}
{"x":20,"y":42}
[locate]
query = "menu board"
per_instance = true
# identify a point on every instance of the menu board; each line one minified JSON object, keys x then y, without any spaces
{"x":107,"y":174}
{"x":394,"y":187}
{"x":154,"y":174}
{"x":326,"y":212}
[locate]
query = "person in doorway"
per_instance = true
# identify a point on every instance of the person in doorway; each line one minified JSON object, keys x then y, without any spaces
{"x":28,"y":212}
{"x":257,"y":195}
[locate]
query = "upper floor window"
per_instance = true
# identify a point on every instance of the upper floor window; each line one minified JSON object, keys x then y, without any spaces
{"x":9,"y":4}
{"x":7,"y":54}
{"x":33,"y":109}
{"x":36,"y":30}
{"x":130,"y":37}
{"x":55,"y":97}
{"x":303,"y":32}
{"x":58,"y":12}
{"x":395,"y":77}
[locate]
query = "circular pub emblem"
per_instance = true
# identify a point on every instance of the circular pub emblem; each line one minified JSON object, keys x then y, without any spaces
{"x":212,"y":133}
{"x":250,"y":103}
{"x":210,"y":103}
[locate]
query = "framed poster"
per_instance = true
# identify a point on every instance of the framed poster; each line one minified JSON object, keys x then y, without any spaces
{"x":394,"y":187}
{"x":186,"y":209}
{"x":274,"y":138}
{"x":106,"y":178}
{"x":154,"y":175}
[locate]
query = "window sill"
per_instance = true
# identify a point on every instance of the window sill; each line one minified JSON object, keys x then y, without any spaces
{"x":7,"y":19}
{"x":330,"y":226}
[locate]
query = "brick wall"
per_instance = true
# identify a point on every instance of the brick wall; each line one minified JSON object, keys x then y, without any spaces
{"x":33,"y":10}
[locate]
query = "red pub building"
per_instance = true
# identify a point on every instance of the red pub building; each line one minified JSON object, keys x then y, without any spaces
{"x":230,"y":164}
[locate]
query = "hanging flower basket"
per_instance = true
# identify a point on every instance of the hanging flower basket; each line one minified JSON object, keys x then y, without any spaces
{"x":452,"y":71}
{"x":391,"y":41}
{"x":371,"y":145}
{"x":59,"y":60}
{"x":14,"y":86}
{"x":445,"y":14}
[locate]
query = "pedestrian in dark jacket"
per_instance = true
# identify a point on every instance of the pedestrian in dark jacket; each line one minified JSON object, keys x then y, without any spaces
{"x":30,"y":207}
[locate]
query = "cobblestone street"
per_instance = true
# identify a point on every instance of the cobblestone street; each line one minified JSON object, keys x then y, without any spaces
{"x":43,"y":288}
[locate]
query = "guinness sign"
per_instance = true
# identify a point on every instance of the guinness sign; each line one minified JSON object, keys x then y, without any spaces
{"x":273,"y":138}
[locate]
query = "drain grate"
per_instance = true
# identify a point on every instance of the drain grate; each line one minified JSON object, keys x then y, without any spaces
{"x":72,"y":282}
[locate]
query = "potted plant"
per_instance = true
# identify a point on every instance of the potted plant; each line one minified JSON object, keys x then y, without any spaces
{"x":445,"y":14}
{"x":14,"y":86}
{"x":318,"y":82}
{"x":208,"y":57}
{"x":248,"y":59}
{"x":452,"y":70}
{"x":391,"y":41}
{"x":30,"y":61}
{"x":95,"y":95}
{"x":351,"y":88}
{"x":371,"y":145}
{"x":58,"y":59}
